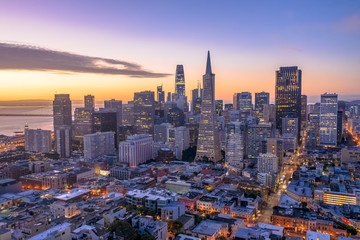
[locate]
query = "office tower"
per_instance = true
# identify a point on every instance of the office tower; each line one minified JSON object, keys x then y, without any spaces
{"x":144,"y":110}
{"x":287,"y":93}
{"x":234,"y":145}
{"x":128,"y":114}
{"x":37,"y":140}
{"x":242,"y":101}
{"x":62,"y":110}
{"x":219,"y":106}
{"x":256,"y":134}
{"x":115,"y":106}
{"x":229,"y":106}
{"x":195,"y":94}
{"x":312,"y":139}
{"x":267,"y":163}
{"x":63,"y":141}
{"x":161,"y":132}
{"x":328,"y":120}
{"x":176,"y":117}
{"x":197,"y":106}
{"x":182,"y":104}
{"x":89,"y":102}
{"x":276,"y":146}
{"x":339,"y":126}
{"x":303,"y":118}
{"x":125,"y":131}
{"x":62,"y":118}
{"x":290,"y":125}
{"x":160,"y":94}
{"x":98,"y":144}
{"x":261,"y":99}
{"x":269,"y":113}
{"x":168,"y":98}
{"x":180,"y":81}
{"x":208,"y":146}
{"x":136,"y":149}
{"x":313,"y":108}
{"x":83,"y":124}
{"x":193,"y":133}
{"x":182,"y":140}
{"x":104,"y":121}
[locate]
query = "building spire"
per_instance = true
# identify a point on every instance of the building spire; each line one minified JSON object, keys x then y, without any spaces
{"x":208,"y":65}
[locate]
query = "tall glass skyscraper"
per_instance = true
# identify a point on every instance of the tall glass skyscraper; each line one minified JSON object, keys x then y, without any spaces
{"x":328,"y":120}
{"x":208,"y":145}
{"x":261,"y":99}
{"x":180,"y":81}
{"x":287,"y":94}
{"x":144,"y":111}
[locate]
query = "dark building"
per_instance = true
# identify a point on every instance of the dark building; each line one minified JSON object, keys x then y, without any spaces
{"x":115,"y":106}
{"x":219,"y":106}
{"x":303,"y":118}
{"x":193,"y":133}
{"x":124,"y":132}
{"x":62,"y":110}
{"x":176,"y":117}
{"x":229,"y":106}
{"x":287,"y":94}
{"x":180,"y":81}
{"x":89,"y":102}
{"x":160,"y":94}
{"x":261,"y":99}
{"x":339,"y":126}
{"x":105,"y":121}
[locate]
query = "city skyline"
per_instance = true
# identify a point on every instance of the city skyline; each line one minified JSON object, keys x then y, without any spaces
{"x":322,"y":45}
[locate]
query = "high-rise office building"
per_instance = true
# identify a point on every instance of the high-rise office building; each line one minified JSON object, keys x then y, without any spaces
{"x":312,"y":139}
{"x":136,"y":149}
{"x":176,"y":117}
{"x":267,"y":163}
{"x":83,"y":124}
{"x":116,"y":106}
{"x":144,"y":110}
{"x":234,"y":145}
{"x":180,"y":81}
{"x":63,"y":141}
{"x":124,"y":132}
{"x":290,"y":126}
{"x":242,"y":101}
{"x":128,"y":114}
{"x":37,"y":140}
{"x":303,"y":117}
{"x":219,"y":106}
{"x":98,"y":144}
{"x":160,"y":94}
{"x":256,"y":134}
{"x":276,"y":146}
{"x":208,"y":144}
{"x":62,"y":119}
{"x":89,"y":102}
{"x":287,"y":93}
{"x":328,"y":120}
{"x":261,"y":99}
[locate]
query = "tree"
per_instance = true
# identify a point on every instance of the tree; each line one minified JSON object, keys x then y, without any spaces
{"x":123,"y":229}
{"x":175,"y":226}
{"x":189,"y":154}
{"x":147,"y":236}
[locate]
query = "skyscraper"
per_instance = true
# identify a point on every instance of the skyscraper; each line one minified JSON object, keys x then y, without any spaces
{"x":144,"y":110}
{"x":303,"y":110}
{"x":234,"y":146}
{"x":261,"y":99}
{"x":83,"y":124}
{"x":116,"y":106}
{"x":180,"y":81}
{"x":89,"y":101}
{"x":219,"y":106}
{"x":287,"y":93}
{"x":62,"y":119}
{"x":242,"y":101}
{"x":208,"y":146}
{"x":97,"y":144}
{"x":328,"y":120}
{"x":37,"y":140}
{"x":160,"y":94}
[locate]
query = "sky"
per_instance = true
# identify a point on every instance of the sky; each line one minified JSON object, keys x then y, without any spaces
{"x":113,"y":48}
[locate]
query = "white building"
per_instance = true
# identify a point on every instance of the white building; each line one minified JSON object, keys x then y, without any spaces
{"x":136,"y":149}
{"x":37,"y":140}
{"x":63,"y":141}
{"x":267,"y":163}
{"x":98,"y":144}
{"x":58,"y":232}
{"x":328,"y":120}
{"x":311,"y":235}
{"x":234,"y":146}
{"x":182,"y":140}
{"x":62,"y":209}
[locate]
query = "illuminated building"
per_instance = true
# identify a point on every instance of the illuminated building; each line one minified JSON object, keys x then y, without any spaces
{"x":160,"y":94}
{"x":290,"y":126}
{"x":89,"y":102}
{"x":303,"y":118}
{"x":98,"y":144}
{"x":62,"y":114}
{"x":125,"y":131}
{"x":276,"y":146}
{"x":116,"y":106}
{"x":144,"y":110}
{"x":337,"y":198}
{"x":287,"y":94}
{"x":256,"y":134}
{"x":180,"y":81}
{"x":176,"y":117}
{"x":234,"y":146}
{"x":61,"y":209}
{"x":208,"y":145}
{"x":339,"y":126}
{"x":242,"y":101}
{"x":63,"y":141}
{"x":136,"y":149}
{"x":267,"y":162}
{"x":193,"y":133}
{"x":219,"y":106}
{"x":261,"y":99}
{"x":128,"y":114}
{"x":37,"y":140}
{"x":196,"y":109}
{"x":328,"y":120}
{"x":83,"y":124}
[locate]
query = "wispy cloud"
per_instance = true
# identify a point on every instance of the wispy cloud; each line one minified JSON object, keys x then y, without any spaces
{"x":25,"y":57}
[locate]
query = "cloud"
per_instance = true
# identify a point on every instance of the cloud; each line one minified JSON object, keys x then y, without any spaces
{"x":24,"y":57}
{"x":350,"y":24}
